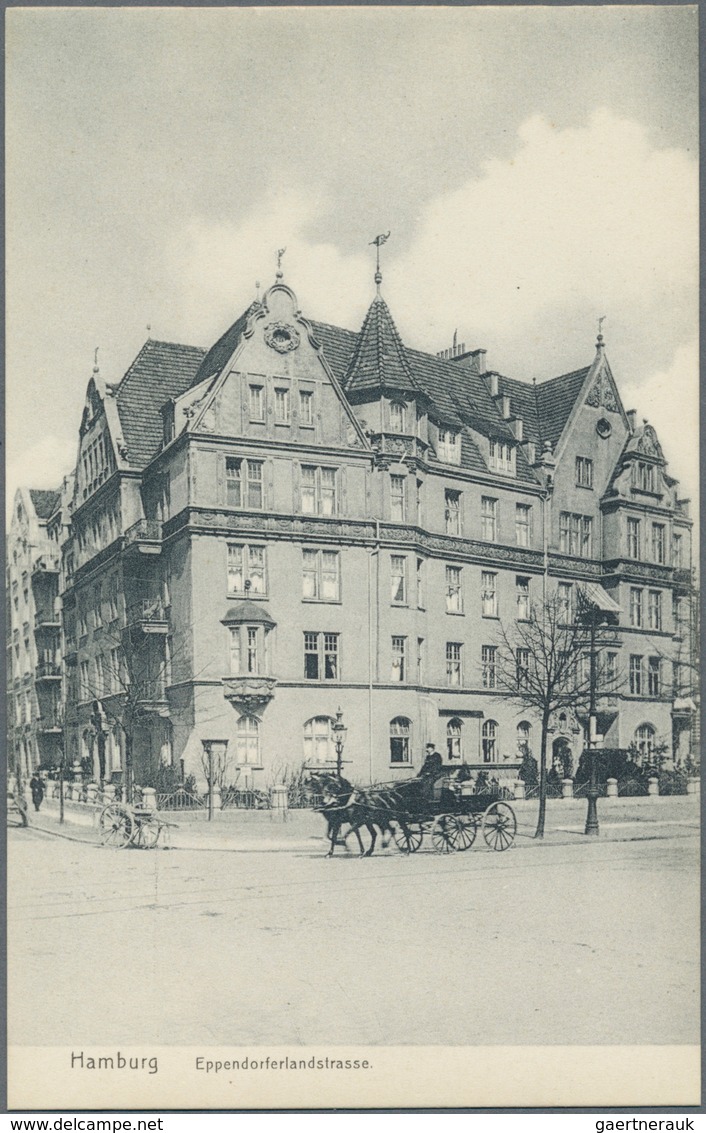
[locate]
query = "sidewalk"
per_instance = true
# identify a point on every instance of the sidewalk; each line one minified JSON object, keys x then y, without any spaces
{"x":303,"y":831}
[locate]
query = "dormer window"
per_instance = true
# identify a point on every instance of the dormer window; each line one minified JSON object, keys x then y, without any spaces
{"x":449,"y":447}
{"x":397,"y":417}
{"x":502,"y":456}
{"x":643,"y":476}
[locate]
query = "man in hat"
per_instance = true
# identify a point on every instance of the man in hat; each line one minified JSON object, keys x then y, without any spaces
{"x":433,"y":763}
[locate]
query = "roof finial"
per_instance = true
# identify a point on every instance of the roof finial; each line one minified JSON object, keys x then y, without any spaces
{"x":95,"y":360}
{"x":149,"y":331}
{"x":377,"y":242}
{"x":599,"y":340}
{"x":257,"y":290}
{"x":280,"y":253}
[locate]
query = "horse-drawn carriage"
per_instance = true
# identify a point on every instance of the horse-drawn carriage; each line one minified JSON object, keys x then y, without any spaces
{"x":449,"y":807}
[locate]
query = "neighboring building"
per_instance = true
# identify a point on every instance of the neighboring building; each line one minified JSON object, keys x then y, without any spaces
{"x":304,"y":518}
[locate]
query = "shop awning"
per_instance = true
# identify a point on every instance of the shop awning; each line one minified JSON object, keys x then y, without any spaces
{"x":597,"y":596}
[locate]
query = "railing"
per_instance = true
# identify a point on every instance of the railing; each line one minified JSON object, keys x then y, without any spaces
{"x":149,"y":691}
{"x":46,"y":618}
{"x":145,"y":530}
{"x":147,"y":610}
{"x":180,"y":800}
{"x":233,"y":797}
{"x":47,"y":669}
{"x":46,"y":564}
{"x":48,"y":724}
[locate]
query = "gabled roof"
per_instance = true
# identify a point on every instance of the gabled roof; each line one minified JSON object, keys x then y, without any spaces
{"x":379,"y":359}
{"x":45,"y":502}
{"x":160,"y":371}
{"x":216,"y":358}
{"x":555,"y":400}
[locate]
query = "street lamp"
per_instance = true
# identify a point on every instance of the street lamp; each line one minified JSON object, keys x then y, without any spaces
{"x":598,"y":608}
{"x":212,"y":750}
{"x":340,"y":732}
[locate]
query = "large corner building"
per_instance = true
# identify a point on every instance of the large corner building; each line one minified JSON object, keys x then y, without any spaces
{"x":304,"y":519}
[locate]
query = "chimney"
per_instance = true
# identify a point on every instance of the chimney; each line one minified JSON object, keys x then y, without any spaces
{"x":517,"y":427}
{"x":493,"y":382}
{"x":505,"y":407}
{"x":632,"y":418}
{"x":478,"y":357}
{"x":531,"y":451}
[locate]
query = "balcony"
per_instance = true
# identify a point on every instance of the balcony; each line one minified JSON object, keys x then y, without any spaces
{"x":398,"y":445}
{"x":250,"y":693}
{"x":47,"y":671}
{"x":46,"y":619}
{"x":152,"y":697}
{"x":149,"y":615}
{"x":49,"y":726}
{"x":145,"y":536}
{"x":46,"y":564}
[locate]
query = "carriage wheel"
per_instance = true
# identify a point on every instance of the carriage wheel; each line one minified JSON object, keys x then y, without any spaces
{"x":442,"y":833}
{"x":147,"y":834}
{"x":116,"y":826}
{"x":499,"y":826}
{"x":408,"y":836}
{"x":464,"y":834}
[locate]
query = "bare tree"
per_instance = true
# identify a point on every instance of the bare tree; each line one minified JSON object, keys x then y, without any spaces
{"x":545,"y":663}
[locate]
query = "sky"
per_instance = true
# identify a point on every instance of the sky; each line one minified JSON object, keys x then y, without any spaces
{"x":535,"y":166}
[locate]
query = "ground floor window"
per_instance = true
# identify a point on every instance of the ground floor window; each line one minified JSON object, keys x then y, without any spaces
{"x":489,"y":741}
{"x":454,"y":737}
{"x":524,"y":736}
{"x":645,"y":742}
{"x":400,"y":733}
{"x":319,"y":746}
{"x":247,"y":744}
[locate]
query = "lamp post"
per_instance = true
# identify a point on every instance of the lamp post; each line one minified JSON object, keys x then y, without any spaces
{"x":340,"y":732}
{"x":592,"y":826}
{"x":212,"y":749}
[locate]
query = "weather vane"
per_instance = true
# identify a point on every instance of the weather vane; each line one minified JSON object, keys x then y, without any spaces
{"x":280,"y":253}
{"x":95,"y":360}
{"x":378,"y":241}
{"x":600,"y":326}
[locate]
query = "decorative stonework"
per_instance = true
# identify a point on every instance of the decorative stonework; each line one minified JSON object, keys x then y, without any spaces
{"x":602,"y":393}
{"x":250,"y":694}
{"x":281,"y":337}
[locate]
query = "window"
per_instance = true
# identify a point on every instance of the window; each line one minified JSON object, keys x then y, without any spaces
{"x":100,"y":677}
{"x":565,"y":601}
{"x":522,"y":662}
{"x":453,"y":512}
{"x":419,"y":502}
{"x":318,"y":490}
{"x":636,"y":680}
{"x":643,"y":476}
{"x":306,"y":407}
{"x":635,"y":607}
{"x":321,"y":656}
{"x":247,"y":741}
{"x":584,"y":472}
{"x":654,"y":609}
{"x":524,"y":737}
{"x":610,"y":674}
{"x":454,"y":593}
{"x":398,"y":579}
{"x":489,"y":741}
{"x":321,"y":576}
{"x":243,"y":483}
{"x":653,"y":676}
{"x":98,"y":606}
{"x":84,"y":680}
{"x":522,"y":591}
{"x":489,"y":594}
{"x":645,"y":742}
{"x":257,"y":403}
{"x":246,"y":650}
{"x":658,"y":543}
{"x":453,"y":663}
{"x":677,"y":551}
{"x":488,"y":519}
{"x":397,"y":417}
{"x":113,"y":600}
{"x":400,"y":730}
{"x":454,"y":744}
{"x":420,"y":583}
{"x":502,"y":456}
{"x":489,"y":655}
{"x":398,"y":671}
{"x":281,"y":406}
{"x":398,"y":510}
{"x":575,"y":534}
{"x":115,"y":676}
{"x":449,"y":447}
{"x":420,"y":660}
{"x":633,"y":538}
{"x":82,"y":622}
{"x":319,"y":740}
{"x":523,"y":517}
{"x":246,"y":564}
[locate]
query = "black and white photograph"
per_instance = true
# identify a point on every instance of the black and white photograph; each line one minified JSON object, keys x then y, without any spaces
{"x":352,"y":591}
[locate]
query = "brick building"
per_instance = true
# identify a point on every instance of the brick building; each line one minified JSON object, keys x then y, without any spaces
{"x":304,"y":518}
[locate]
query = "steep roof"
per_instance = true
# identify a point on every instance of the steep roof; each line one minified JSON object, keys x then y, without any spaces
{"x":45,"y":502}
{"x":160,"y":371}
{"x":555,"y":400}
{"x":215,"y":359}
{"x":379,"y":359}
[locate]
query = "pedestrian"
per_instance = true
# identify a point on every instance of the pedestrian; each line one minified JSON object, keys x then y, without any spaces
{"x":36,"y":786}
{"x":433,"y":763}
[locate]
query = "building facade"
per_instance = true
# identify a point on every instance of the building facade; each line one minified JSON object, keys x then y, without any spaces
{"x":304,"y":519}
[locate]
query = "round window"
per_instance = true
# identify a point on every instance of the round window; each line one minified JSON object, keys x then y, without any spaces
{"x":604,"y":428}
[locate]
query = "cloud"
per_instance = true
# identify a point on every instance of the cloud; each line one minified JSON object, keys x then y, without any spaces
{"x":43,"y":465}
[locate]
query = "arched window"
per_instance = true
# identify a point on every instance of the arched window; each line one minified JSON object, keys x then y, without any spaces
{"x":645,"y":742}
{"x":454,"y":745}
{"x":489,"y":741}
{"x":397,"y":416}
{"x":524,"y":736}
{"x":247,"y":744}
{"x":319,"y":746}
{"x":400,"y":733}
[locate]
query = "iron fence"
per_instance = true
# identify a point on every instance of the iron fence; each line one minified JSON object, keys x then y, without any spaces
{"x":180,"y":800}
{"x":251,"y":799}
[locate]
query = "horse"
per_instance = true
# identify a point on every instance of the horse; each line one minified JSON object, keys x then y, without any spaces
{"x":343,"y":803}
